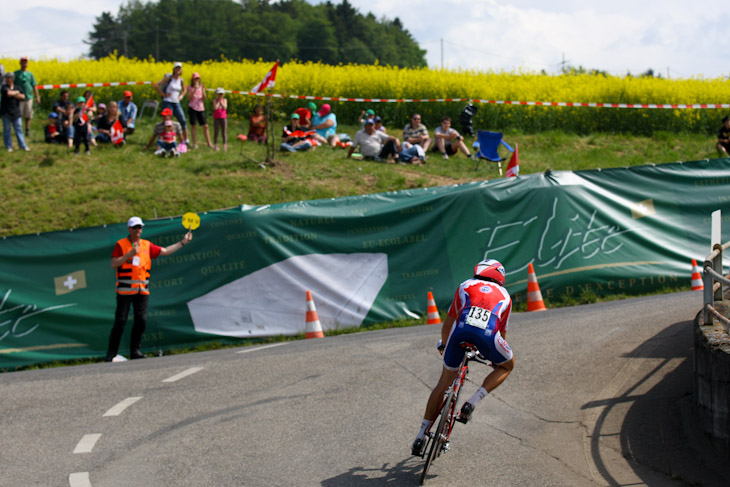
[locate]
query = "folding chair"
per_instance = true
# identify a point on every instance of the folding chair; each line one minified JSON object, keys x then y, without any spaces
{"x":153,"y":104}
{"x":489,"y":143}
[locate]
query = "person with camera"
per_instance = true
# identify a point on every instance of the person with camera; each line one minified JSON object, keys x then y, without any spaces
{"x":448,"y":140}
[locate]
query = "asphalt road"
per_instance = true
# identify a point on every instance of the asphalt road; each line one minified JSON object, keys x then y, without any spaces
{"x":601,"y":395}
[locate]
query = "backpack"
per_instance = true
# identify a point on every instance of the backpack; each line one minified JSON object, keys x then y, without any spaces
{"x":165,"y":83}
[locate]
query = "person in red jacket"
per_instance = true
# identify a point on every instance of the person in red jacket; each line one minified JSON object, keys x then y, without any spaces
{"x":132,"y":259}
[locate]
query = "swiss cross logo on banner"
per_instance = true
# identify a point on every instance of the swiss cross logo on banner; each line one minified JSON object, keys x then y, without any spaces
{"x":268,"y":81}
{"x":117,"y":133}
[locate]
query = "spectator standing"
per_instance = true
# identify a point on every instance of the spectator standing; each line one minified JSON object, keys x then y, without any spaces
{"x":132,"y":260}
{"x":80,"y":123}
{"x":723,"y":138}
{"x":196,"y":108}
{"x":25,"y":82}
{"x":325,"y":126}
{"x":305,"y":114}
{"x":172,"y":90}
{"x":417,"y":133}
{"x":374,"y":145}
{"x":257,"y":125}
{"x":67,"y":124}
{"x":448,"y":140}
{"x":91,"y":109}
{"x":166,"y":115}
{"x":220,"y":118}
{"x":127,"y":113}
{"x":10,"y":99}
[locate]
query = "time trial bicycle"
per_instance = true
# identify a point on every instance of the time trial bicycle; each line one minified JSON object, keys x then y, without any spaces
{"x":438,"y":437}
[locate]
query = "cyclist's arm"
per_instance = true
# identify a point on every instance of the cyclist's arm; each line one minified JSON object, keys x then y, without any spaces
{"x":446,"y":329}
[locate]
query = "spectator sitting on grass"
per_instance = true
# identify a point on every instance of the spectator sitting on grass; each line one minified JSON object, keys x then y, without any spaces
{"x":167,"y":144}
{"x":296,"y":139}
{"x":417,"y":133}
{"x":412,"y":153}
{"x":325,"y":125}
{"x":52,"y":132}
{"x":378,"y":123}
{"x":723,"y":138}
{"x":365,"y":115}
{"x":61,"y":105}
{"x":305,"y":114}
{"x":166,"y":115}
{"x":448,"y":140}
{"x":257,"y":125}
{"x":127,"y":112}
{"x":106,"y":121}
{"x":374,"y":145}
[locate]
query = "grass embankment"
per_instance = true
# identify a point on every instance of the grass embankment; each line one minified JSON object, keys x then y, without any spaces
{"x":50,"y":189}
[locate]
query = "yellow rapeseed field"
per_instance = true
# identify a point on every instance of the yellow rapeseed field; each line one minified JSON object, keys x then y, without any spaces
{"x":388,"y":82}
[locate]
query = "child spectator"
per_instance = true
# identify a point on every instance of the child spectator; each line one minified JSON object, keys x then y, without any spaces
{"x":368,"y":114}
{"x":378,"y":122}
{"x":127,"y":112}
{"x":220,"y":118}
{"x":91,"y":110}
{"x":166,"y":143}
{"x":196,"y":108}
{"x":257,"y":125}
{"x":166,"y":115}
{"x":295,"y":138}
{"x":80,"y":124}
{"x":52,"y":132}
{"x":305,"y":114}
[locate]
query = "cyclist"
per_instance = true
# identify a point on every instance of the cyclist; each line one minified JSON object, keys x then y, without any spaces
{"x":479,"y":314}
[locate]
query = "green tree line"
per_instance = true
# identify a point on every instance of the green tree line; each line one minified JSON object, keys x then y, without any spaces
{"x":199,"y":30}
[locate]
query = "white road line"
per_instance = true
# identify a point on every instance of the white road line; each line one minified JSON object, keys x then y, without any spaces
{"x":86,"y":444}
{"x":117,"y":410}
{"x":182,"y":374}
{"x":79,"y":479}
{"x":254,"y":349}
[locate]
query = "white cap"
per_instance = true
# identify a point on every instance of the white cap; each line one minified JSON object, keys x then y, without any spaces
{"x":134,"y":221}
{"x":219,"y":90}
{"x":177,"y":65}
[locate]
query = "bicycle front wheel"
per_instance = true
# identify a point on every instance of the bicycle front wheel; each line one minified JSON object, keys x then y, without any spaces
{"x":438,"y":436}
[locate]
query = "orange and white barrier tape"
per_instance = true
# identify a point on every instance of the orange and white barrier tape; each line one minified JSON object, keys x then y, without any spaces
{"x":667,"y":106}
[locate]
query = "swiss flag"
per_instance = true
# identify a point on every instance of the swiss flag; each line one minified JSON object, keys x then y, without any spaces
{"x":268,"y":81}
{"x":117,"y":133}
{"x":87,"y":106}
{"x":513,"y":168}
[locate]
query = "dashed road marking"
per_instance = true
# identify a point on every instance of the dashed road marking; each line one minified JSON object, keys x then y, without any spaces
{"x":79,"y":479}
{"x":87,"y":442}
{"x":182,"y":374}
{"x":117,"y":410}
{"x":254,"y":349}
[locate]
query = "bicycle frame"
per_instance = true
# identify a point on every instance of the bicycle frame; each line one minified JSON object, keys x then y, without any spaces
{"x":438,"y":440}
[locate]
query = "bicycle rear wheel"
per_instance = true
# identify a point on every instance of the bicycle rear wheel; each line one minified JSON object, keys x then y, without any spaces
{"x":438,"y":436}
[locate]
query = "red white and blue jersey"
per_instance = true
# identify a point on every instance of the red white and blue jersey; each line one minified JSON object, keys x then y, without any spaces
{"x":481,"y":304}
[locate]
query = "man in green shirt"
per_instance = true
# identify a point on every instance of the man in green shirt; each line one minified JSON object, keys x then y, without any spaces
{"x":25,"y":82}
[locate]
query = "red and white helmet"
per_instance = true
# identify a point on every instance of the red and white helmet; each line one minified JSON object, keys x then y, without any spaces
{"x":490,"y":269}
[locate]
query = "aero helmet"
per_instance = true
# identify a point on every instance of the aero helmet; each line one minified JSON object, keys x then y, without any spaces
{"x":490,"y":269}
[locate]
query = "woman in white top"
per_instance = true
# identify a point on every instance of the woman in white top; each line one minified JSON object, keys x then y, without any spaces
{"x":172,"y":89}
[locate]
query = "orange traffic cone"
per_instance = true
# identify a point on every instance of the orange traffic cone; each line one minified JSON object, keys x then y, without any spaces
{"x":432,"y":310}
{"x":697,"y":284}
{"x":313,"y":328}
{"x":534,"y":296}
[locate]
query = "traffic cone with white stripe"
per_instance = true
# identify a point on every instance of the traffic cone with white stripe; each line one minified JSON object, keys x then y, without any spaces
{"x":432,"y":310}
{"x":313,"y":328}
{"x":697,"y":284}
{"x":534,"y":296}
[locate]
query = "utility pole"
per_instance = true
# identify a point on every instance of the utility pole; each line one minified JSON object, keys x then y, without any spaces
{"x":563,"y":63}
{"x":442,"y":53}
{"x":124,"y":38}
{"x":157,"y":43}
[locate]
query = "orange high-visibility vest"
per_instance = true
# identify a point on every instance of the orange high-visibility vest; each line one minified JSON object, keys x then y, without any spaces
{"x":133,"y":278}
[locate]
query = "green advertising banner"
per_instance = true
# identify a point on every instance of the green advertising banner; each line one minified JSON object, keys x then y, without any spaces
{"x":366,"y":259}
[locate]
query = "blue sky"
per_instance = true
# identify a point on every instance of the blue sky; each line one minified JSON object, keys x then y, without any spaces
{"x":676,"y":38}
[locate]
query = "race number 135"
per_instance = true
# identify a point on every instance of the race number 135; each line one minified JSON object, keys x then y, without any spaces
{"x":478,"y":317}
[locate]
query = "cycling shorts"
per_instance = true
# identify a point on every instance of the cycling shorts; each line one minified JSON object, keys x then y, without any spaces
{"x":492,"y":346}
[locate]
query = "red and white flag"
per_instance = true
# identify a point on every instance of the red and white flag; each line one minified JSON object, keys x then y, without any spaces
{"x":87,"y":106}
{"x":117,"y":133}
{"x":268,"y":81}
{"x":513,"y":168}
